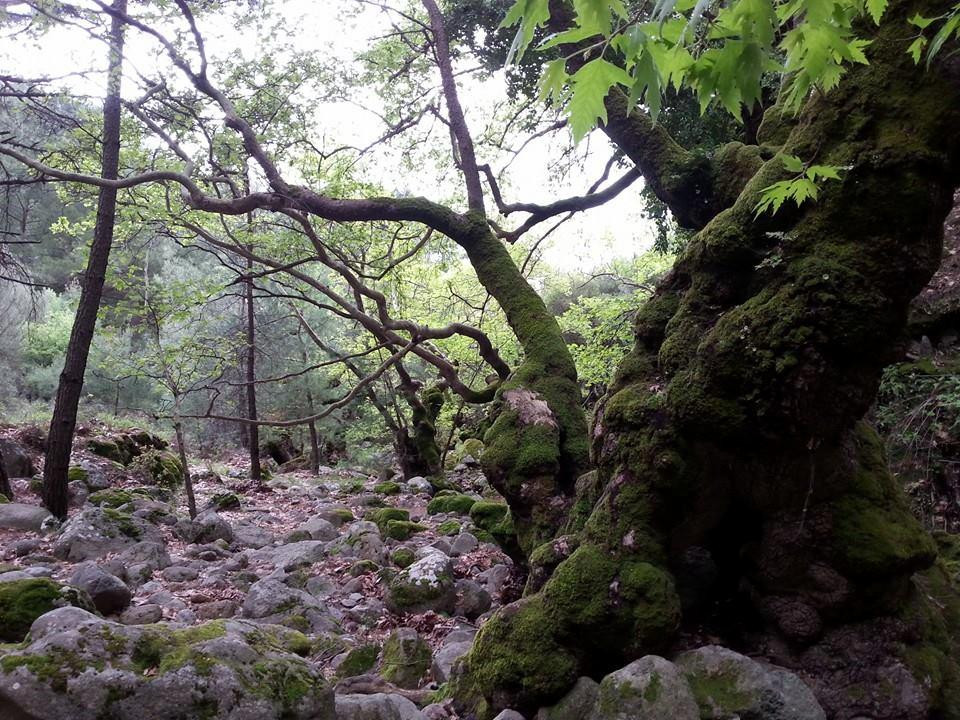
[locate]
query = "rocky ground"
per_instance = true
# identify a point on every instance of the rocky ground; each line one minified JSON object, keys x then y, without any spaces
{"x":337,"y":596}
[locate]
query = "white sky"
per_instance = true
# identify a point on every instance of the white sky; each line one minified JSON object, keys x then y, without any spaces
{"x":338,"y":29}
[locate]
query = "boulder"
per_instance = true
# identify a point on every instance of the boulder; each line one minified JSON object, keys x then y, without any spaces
{"x":419,"y":484}
{"x":252,"y":536}
{"x":405,"y":658}
{"x":291,"y":555}
{"x":80,"y":667}
{"x":16,"y":461}
{"x":472,"y":600}
{"x":95,"y":531}
{"x":361,"y":540}
{"x":207,"y":527}
{"x":377,"y":706}
{"x":427,"y":584}
{"x":576,"y":704}
{"x":446,"y":656}
{"x":319,"y":528}
{"x":650,"y":688}
{"x":108,"y":592}
{"x":727,"y":684}
{"x":271,"y":601}
{"x":19,"y":516}
{"x":24,"y":600}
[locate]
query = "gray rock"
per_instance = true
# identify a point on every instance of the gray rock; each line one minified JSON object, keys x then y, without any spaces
{"x":427,"y":584}
{"x":319,"y":528}
{"x":377,"y":706}
{"x":292,"y":555}
{"x":273,"y":602}
{"x":509,"y":715}
{"x":108,"y":592}
{"x":463,"y":544}
{"x":22,"y":548}
{"x":205,"y":528}
{"x":576,"y":704}
{"x":420,"y":485}
{"x":650,"y":688}
{"x":252,"y":536}
{"x":472,"y":600}
{"x":726,"y":683}
{"x":94,"y":532}
{"x":142,"y":560}
{"x":361,"y":540}
{"x":179,"y":573}
{"x":494,"y":579}
{"x":233,"y":671}
{"x":19,"y":516}
{"x":446,"y":656}
{"x":336,"y":515}
{"x":16,"y":461}
{"x":217,"y":609}
{"x":142,"y":614}
{"x":15,"y":575}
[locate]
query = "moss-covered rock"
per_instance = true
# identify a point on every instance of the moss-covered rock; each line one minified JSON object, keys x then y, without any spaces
{"x":80,"y":666}
{"x":403,"y":557}
{"x":427,"y":584}
{"x":358,"y":661}
{"x":449,"y":527}
{"x":225,"y":501}
{"x":406,"y":658}
{"x":162,"y":468}
{"x":403,"y":529}
{"x":77,"y":474}
{"x":387,"y":488}
{"x":115,"y":497}
{"x":23,"y":601}
{"x":459,"y":504}
{"x":385,"y":515}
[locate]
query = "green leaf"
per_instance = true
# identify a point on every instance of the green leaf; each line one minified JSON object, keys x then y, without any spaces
{"x":916,"y":49}
{"x":590,"y":86}
{"x":529,"y":14}
{"x":876,"y":9}
{"x":553,"y":81}
{"x":792,"y":163}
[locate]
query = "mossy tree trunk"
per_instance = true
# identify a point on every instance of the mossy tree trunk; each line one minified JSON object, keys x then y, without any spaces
{"x":417,"y":447}
{"x":739,"y":493}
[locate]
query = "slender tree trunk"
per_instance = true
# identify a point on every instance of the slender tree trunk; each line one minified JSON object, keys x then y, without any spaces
{"x":312,"y":427}
{"x":256,"y":472}
{"x":739,"y":493}
{"x":64,"y":418}
{"x":182,"y":451}
{"x":5,"y":488}
{"x":243,"y":430}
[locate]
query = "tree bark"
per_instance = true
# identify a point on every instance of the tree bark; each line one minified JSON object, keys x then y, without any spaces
{"x":739,"y":493}
{"x":5,"y":488}
{"x":253,"y":430}
{"x":64,"y":420}
{"x":187,"y":480}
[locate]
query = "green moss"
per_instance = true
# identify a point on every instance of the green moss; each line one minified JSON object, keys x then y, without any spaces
{"x":359,"y":661}
{"x":123,"y":521}
{"x":110,"y":449}
{"x":225,"y":501}
{"x":403,"y":557}
{"x":23,"y":601}
{"x":77,"y":474}
{"x":448,"y":527}
{"x":362,"y":567}
{"x":164,"y":650}
{"x":387,"y":488}
{"x":114,"y":497}
{"x":460,"y":504}
{"x":162,"y":467}
{"x":383,"y":517}
{"x":405,"y":660}
{"x":516,"y":653}
{"x":403,"y":529}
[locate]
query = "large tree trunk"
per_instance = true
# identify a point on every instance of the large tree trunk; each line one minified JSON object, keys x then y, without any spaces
{"x":739,"y":493}
{"x":64,"y":419}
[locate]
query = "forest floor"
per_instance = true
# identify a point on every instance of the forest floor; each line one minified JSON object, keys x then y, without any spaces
{"x":313,"y":553}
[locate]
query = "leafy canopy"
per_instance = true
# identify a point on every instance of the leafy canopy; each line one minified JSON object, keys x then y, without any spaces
{"x":719,"y":50}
